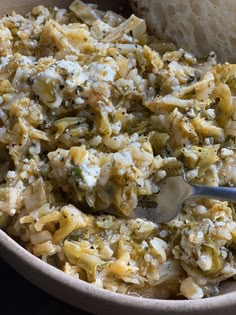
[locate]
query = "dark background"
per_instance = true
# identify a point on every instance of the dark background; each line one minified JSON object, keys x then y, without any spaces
{"x":18,"y":296}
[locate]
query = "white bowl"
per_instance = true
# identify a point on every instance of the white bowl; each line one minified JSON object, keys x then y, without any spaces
{"x":80,"y":293}
{"x":100,"y":301}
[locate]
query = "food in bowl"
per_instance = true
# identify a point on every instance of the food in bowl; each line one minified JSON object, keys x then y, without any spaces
{"x":94,"y":113}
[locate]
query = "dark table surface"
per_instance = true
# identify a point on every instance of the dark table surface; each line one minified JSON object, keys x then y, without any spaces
{"x":18,"y":296}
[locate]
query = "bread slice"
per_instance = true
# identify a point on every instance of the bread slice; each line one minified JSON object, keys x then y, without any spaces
{"x":194,"y":25}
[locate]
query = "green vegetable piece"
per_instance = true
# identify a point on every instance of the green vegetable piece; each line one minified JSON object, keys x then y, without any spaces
{"x":77,"y":172}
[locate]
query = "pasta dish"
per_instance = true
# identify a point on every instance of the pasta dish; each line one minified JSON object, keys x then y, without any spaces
{"x":94,"y":113}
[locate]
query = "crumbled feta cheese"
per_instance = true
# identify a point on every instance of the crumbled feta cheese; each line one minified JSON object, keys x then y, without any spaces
{"x":200,"y":209}
{"x":226,"y":152}
{"x":205,"y":261}
{"x":101,"y":71}
{"x":190,"y":289}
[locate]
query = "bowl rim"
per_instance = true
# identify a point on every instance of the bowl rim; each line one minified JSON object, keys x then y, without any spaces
{"x":9,"y":247}
{"x":16,"y":255}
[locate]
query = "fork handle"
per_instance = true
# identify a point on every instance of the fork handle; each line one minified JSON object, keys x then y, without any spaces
{"x":212,"y":192}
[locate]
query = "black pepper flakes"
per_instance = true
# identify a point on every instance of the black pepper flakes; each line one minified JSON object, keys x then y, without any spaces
{"x":80,"y":88}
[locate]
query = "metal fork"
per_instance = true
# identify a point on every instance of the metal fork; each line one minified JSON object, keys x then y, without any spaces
{"x":174,"y":191}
